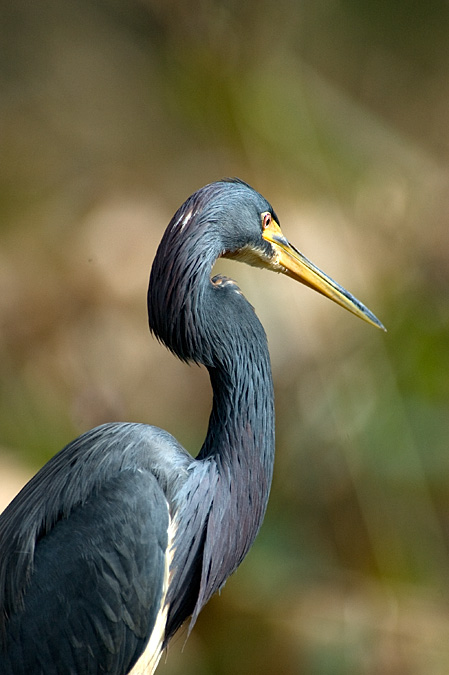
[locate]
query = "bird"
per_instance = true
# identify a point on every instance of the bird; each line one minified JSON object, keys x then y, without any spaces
{"x":123,"y":535}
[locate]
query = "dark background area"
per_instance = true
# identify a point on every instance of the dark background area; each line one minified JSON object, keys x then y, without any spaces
{"x":111,"y":114}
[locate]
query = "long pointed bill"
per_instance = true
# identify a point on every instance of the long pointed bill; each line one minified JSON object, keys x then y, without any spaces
{"x":288,"y":260}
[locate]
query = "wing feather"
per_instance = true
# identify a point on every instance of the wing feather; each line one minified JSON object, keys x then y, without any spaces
{"x":96,"y":585}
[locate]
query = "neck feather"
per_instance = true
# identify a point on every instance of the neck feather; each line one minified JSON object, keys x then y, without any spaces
{"x":239,"y":448}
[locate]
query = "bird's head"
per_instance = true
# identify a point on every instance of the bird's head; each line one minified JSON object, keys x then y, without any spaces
{"x":251,"y":233}
{"x":227,"y":219}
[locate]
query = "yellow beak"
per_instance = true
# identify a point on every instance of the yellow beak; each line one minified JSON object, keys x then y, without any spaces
{"x":288,"y":260}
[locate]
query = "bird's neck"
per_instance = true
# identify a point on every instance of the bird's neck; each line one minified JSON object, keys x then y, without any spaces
{"x":240,"y":447}
{"x":241,"y":424}
{"x":239,"y":454}
{"x":229,"y":483}
{"x":240,"y":435}
{"x":220,"y":506}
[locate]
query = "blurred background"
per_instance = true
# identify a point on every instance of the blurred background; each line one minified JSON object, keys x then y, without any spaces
{"x":111,"y":113}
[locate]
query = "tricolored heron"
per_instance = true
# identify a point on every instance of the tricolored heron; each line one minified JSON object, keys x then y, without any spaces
{"x":122,"y":535}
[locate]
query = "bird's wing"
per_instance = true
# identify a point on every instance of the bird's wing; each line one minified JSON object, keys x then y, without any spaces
{"x":97,"y":584}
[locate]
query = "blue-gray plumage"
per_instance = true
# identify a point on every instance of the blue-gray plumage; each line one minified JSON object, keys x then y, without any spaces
{"x":122,"y":535}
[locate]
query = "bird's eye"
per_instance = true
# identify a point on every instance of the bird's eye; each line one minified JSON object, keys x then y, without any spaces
{"x":266,"y":220}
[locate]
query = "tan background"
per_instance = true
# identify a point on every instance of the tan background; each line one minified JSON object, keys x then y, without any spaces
{"x":111,"y":113}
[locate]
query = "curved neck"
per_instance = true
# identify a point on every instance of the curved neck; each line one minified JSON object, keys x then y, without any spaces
{"x":221,"y":505}
{"x":212,"y":323}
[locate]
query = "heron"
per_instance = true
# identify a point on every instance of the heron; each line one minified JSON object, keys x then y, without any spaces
{"x":123,"y":535}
